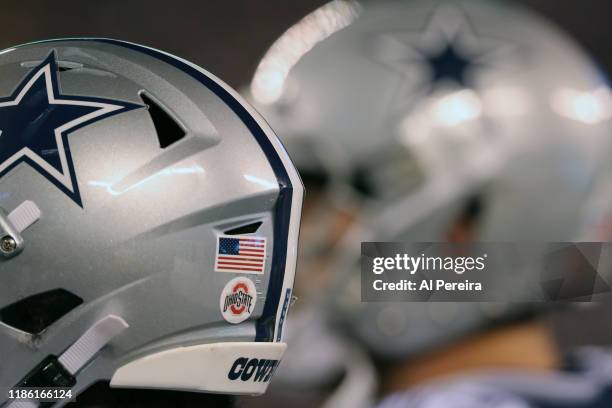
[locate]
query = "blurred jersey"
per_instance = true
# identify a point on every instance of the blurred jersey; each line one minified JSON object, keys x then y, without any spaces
{"x":586,"y":384}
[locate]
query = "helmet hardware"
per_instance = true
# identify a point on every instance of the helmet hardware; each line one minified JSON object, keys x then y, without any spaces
{"x":8,"y":245}
{"x":11,"y":242}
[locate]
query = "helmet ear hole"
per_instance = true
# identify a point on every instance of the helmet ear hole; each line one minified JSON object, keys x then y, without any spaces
{"x":464,"y":227}
{"x":36,"y":313}
{"x":168,"y":130}
{"x":474,"y":208}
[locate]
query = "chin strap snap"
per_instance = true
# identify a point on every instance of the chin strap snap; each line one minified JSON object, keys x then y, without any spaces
{"x":13,"y":224}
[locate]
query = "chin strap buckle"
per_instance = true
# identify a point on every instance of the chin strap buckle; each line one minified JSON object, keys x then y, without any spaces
{"x":13,"y":224}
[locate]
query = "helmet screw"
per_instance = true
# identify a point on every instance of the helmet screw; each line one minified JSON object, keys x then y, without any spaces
{"x":8,"y":244}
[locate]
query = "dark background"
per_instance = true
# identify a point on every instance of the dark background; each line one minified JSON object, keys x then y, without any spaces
{"x":228,"y":37}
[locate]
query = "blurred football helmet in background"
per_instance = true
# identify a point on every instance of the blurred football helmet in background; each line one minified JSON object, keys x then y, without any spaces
{"x":149,"y":224}
{"x":433,"y":121}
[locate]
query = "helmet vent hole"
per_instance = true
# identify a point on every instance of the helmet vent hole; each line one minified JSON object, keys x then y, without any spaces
{"x":37,"y":312}
{"x":244,"y":229}
{"x":168,"y":130}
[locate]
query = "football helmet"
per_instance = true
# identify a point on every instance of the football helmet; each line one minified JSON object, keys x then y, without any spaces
{"x":149,"y":222}
{"x":435,"y":121}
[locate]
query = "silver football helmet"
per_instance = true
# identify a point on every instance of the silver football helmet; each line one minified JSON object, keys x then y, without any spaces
{"x":435,"y":121}
{"x":148,"y":224}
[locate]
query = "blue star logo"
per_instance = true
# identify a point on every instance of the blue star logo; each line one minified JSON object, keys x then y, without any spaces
{"x":36,"y":120}
{"x":446,"y":52}
{"x":449,"y":64}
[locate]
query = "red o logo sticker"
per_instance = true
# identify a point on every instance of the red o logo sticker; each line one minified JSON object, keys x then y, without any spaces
{"x":238,"y":300}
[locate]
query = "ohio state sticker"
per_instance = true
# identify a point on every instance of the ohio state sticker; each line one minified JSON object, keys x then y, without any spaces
{"x":238,"y":300}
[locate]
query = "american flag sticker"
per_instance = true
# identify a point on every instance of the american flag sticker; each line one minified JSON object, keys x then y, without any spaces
{"x":240,"y":254}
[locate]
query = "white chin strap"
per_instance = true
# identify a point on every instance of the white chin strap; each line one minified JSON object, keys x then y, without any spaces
{"x":23,"y":404}
{"x":91,"y":342}
{"x":84,"y":349}
{"x":26,"y":214}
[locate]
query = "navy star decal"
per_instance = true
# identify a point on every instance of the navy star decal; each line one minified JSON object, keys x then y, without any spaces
{"x":445,"y":52}
{"x":449,"y":65}
{"x":37,"y":118}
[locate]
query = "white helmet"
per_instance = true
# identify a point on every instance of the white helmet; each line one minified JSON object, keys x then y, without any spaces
{"x":436,"y":121}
